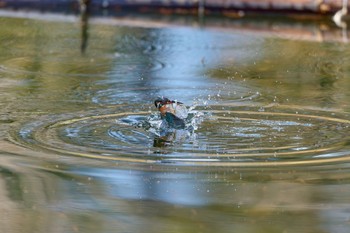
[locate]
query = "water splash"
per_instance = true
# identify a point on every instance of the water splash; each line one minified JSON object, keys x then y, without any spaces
{"x":162,"y":132}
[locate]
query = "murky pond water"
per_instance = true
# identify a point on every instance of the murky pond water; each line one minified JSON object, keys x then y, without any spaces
{"x":270,"y":151}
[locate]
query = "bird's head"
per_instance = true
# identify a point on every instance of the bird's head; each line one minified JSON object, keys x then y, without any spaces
{"x":164,"y":105}
{"x":161,"y":104}
{"x":162,"y":101}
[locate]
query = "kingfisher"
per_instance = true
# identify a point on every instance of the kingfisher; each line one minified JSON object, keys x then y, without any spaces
{"x":172,"y":111}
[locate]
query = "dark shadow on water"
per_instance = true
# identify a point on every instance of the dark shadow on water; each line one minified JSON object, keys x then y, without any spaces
{"x":84,"y":19}
{"x":160,"y":142}
{"x":169,"y":138}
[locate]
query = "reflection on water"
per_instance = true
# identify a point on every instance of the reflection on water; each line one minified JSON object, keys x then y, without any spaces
{"x":270,"y":155}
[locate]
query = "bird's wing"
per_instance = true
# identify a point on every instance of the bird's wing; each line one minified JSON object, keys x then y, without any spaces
{"x":180,"y":110}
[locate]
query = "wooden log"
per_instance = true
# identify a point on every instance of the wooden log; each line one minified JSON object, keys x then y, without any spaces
{"x":317,"y":6}
{"x":188,"y":6}
{"x":306,"y":30}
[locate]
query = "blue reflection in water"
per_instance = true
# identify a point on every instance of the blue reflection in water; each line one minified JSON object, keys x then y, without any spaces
{"x":174,"y":63}
{"x":174,"y":188}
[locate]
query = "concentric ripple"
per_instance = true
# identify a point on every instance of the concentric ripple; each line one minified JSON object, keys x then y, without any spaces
{"x":231,"y":136}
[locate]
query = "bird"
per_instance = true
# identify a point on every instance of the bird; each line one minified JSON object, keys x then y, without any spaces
{"x":339,"y":16}
{"x":172,"y":111}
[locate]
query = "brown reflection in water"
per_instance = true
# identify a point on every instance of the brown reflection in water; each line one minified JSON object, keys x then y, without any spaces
{"x":10,"y":212}
{"x":170,"y":137}
{"x":84,"y":20}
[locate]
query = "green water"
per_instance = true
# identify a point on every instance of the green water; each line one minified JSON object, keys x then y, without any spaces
{"x":272,"y":155}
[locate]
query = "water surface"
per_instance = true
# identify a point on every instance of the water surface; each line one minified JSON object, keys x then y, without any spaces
{"x":270,"y":154}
